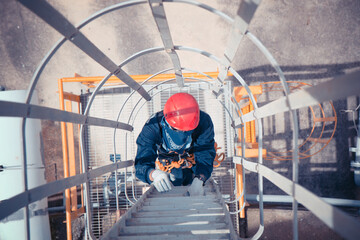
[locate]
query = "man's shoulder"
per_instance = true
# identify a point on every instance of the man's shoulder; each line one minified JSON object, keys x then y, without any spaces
{"x":151,"y":129}
{"x":204,"y":116}
{"x":154,"y":119}
{"x":205,"y":123}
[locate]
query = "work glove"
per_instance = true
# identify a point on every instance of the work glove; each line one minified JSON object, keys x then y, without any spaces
{"x":161,"y":181}
{"x":196,"y":188}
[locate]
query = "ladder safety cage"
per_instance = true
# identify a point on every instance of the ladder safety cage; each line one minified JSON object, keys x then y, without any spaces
{"x":340,"y":222}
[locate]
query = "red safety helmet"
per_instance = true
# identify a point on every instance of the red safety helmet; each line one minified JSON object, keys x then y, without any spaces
{"x":182,"y":112}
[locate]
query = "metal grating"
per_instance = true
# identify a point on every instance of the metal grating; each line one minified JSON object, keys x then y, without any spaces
{"x":100,"y":152}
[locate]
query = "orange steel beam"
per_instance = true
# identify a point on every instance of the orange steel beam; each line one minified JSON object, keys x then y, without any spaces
{"x":248,"y":125}
{"x":71,"y":148}
{"x":77,"y":212}
{"x":65,"y":161}
{"x":252,"y":145}
{"x":138,"y":78}
{"x":71,"y":97}
{"x":250,"y":138}
{"x":239,"y":92}
{"x":252,"y":126}
{"x":248,"y":128}
{"x":252,"y":153}
{"x":240,"y":184}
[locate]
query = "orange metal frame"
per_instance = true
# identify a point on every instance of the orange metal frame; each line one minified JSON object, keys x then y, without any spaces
{"x":92,"y":81}
{"x":69,"y":161}
{"x":67,"y":131}
{"x":251,"y":150}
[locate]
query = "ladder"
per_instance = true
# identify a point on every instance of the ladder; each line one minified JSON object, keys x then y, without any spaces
{"x":175,"y":215}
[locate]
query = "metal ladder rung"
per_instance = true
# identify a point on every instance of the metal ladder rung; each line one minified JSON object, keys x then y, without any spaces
{"x":185,"y":213}
{"x":217,"y":236}
{"x":208,"y":198}
{"x":181,"y":190}
{"x":183,"y":229}
{"x":173,"y":220}
{"x":160,"y":195}
{"x":174,"y":206}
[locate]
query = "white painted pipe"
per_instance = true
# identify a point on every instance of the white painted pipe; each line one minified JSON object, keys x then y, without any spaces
{"x":12,"y":179}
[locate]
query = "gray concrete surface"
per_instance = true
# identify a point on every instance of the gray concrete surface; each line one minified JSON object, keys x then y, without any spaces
{"x":312,"y":41}
{"x":279,"y":225}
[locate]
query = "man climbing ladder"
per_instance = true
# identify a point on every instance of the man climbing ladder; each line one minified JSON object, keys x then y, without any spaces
{"x":176,"y":146}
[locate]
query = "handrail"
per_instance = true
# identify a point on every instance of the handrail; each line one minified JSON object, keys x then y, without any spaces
{"x":233,"y":234}
{"x":20,"y":200}
{"x":14,"y":109}
{"x":310,"y":96}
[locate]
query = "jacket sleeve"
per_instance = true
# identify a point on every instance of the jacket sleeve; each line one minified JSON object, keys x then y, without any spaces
{"x":203,"y":148}
{"x":146,"y":150}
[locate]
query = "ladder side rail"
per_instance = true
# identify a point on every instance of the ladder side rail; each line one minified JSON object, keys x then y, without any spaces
{"x":233,"y":234}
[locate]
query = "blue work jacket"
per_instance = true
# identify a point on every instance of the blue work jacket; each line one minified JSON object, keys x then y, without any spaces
{"x":150,"y":140}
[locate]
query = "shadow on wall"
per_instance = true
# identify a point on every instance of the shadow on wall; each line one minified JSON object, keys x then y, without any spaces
{"x":267,"y":73}
{"x":327,"y":173}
